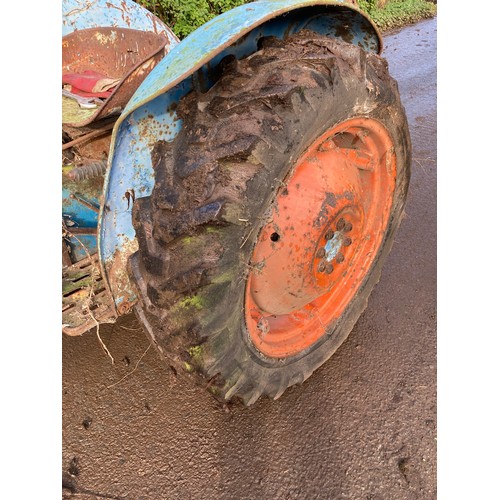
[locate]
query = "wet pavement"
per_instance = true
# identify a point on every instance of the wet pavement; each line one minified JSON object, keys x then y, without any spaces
{"x":363,"y":426}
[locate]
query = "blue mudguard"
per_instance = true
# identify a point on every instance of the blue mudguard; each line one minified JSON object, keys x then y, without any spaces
{"x":150,"y":115}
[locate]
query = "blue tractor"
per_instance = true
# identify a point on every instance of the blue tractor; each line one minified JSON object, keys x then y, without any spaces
{"x":237,"y":190}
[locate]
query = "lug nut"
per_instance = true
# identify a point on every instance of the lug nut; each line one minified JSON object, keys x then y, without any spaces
{"x":340,"y":224}
{"x":340,"y":257}
{"x":329,"y":234}
{"x":321,"y":253}
{"x":321,"y":266}
{"x":329,"y":268}
{"x":347,"y":227}
{"x":347,"y":242}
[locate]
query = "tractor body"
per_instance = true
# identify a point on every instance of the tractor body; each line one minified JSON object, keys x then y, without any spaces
{"x":107,"y":150}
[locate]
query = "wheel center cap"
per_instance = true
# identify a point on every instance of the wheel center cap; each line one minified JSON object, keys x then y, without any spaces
{"x":333,"y":246}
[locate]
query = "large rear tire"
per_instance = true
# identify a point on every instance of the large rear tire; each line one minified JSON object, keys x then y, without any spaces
{"x":272,"y":213}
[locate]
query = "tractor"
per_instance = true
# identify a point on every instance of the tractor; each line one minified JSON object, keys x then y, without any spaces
{"x":238,"y":190}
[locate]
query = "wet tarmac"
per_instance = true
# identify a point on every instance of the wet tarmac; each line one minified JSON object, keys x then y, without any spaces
{"x":363,"y":426}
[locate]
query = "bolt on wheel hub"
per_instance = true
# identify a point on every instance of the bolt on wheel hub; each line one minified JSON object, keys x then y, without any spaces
{"x":325,"y":228}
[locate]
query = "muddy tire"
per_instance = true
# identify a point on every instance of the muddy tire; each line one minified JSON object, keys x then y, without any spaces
{"x":235,"y":213}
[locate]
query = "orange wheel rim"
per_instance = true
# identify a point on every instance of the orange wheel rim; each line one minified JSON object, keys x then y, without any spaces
{"x":326,"y":225}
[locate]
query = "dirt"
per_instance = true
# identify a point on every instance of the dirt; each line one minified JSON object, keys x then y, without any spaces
{"x":362,"y":427}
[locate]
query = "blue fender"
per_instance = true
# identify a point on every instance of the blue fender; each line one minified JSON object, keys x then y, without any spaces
{"x":150,"y":114}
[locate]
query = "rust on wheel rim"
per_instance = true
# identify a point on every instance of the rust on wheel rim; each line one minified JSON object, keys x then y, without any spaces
{"x":326,"y":226}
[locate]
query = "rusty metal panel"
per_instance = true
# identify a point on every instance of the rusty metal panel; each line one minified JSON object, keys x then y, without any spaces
{"x":150,"y":114}
{"x":125,"y":54}
{"x":84,"y":14}
{"x":86,"y":302}
{"x":80,"y":209}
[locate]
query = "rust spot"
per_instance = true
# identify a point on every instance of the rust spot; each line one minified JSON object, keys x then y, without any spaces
{"x":124,"y":308}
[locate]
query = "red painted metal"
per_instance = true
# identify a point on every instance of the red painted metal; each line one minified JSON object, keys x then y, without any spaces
{"x":326,"y":226}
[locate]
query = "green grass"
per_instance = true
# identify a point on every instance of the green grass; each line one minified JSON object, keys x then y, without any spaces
{"x":398,"y":13}
{"x":184,"y":16}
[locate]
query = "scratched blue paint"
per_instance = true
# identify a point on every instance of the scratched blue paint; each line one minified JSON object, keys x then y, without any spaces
{"x":84,"y":216}
{"x":83,"y":14}
{"x":132,"y":167}
{"x":188,"y":65}
{"x":77,"y":215}
{"x":82,"y":246}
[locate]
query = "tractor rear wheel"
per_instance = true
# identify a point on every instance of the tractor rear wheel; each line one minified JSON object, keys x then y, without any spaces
{"x":271,"y":215}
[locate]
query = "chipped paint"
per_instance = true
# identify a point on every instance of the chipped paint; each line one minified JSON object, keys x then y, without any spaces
{"x":84,"y":14}
{"x":150,"y":114}
{"x":104,"y":39}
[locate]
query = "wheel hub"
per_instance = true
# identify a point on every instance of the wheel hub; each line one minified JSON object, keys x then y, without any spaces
{"x":325,"y":228}
{"x":331,"y":252}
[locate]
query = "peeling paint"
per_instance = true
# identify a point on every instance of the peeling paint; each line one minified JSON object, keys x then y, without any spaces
{"x":150,"y":113}
{"x":78,"y":15}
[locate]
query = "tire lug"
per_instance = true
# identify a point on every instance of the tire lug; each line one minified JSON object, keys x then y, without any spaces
{"x":347,"y":227}
{"x":320,"y":253}
{"x":329,"y":268}
{"x":340,"y":224}
{"x":340,"y":257}
{"x":321,"y":266}
{"x":347,"y":242}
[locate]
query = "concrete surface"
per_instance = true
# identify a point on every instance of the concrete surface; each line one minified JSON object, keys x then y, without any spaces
{"x":362,"y":427}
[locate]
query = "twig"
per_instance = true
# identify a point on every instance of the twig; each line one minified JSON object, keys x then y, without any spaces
{"x":103,"y":345}
{"x":426,"y":159}
{"x":132,"y":371}
{"x":88,"y":301}
{"x":418,"y":162}
{"x":130,"y":329}
{"x":72,"y":235}
{"x":86,"y":137}
{"x":247,"y":236}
